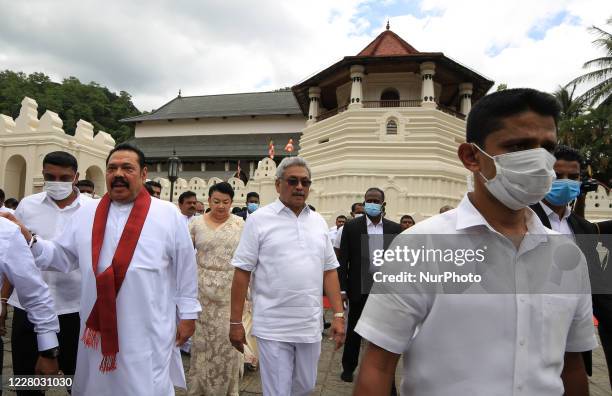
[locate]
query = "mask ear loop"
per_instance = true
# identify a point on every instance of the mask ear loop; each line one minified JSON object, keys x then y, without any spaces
{"x":482,"y":151}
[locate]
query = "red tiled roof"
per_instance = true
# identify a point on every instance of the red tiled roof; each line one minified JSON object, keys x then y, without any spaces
{"x":388,"y":43}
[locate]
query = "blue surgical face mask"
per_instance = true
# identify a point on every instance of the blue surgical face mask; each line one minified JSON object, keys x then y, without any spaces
{"x":563,"y":191}
{"x":373,"y":209}
{"x":252,"y":207}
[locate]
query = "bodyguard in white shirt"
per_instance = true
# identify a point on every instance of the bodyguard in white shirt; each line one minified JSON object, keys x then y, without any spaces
{"x":17,"y":265}
{"x":45,"y":214}
{"x":286,"y":251}
{"x":488,"y":344}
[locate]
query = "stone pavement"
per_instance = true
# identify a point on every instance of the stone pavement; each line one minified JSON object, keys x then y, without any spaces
{"x":328,"y":380}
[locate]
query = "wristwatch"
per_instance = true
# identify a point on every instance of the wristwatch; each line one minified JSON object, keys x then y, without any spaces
{"x":339,"y":315}
{"x":52,"y":353}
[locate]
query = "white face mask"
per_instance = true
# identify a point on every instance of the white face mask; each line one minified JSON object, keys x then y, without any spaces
{"x":58,"y":190}
{"x":522,"y":178}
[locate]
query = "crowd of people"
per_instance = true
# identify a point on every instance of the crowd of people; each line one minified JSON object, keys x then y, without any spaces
{"x":108,"y":288}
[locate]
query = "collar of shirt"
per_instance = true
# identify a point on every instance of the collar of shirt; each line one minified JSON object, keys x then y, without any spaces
{"x":44,"y":197}
{"x":550,"y":213}
{"x":371,"y":224}
{"x":468,"y":216}
{"x":278,"y":206}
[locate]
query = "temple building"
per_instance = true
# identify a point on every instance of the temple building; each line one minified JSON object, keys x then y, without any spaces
{"x":212,"y":133}
{"x":390,"y":117}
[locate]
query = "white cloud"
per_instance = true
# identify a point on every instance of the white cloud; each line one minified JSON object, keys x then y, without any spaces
{"x":153,"y":48}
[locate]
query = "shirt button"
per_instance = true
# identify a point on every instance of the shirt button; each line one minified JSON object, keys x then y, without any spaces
{"x":522,"y":342}
{"x":519,"y":388}
{"x":523,"y":299}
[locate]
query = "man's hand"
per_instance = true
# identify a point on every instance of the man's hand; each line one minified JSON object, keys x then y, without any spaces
{"x":26,"y":233}
{"x":337,"y":332}
{"x":184,"y":330}
{"x":237,"y":336}
{"x":46,"y":366}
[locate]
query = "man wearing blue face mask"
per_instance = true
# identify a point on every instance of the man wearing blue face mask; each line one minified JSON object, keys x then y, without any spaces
{"x":555,"y":213}
{"x":356,"y":267}
{"x":252,"y":202}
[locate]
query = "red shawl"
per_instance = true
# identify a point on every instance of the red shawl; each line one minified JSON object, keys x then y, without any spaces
{"x":102,"y":321}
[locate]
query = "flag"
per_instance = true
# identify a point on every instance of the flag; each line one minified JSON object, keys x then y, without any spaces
{"x":271,"y":149}
{"x":289,"y":146}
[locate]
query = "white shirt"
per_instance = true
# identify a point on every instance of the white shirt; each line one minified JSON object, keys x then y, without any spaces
{"x":7,"y":210}
{"x":161,"y":280}
{"x":481,"y":344}
{"x":17,"y":264}
{"x":333,"y":231}
{"x":558,"y":224}
{"x":338,"y":238}
{"x":287,"y":255}
{"x":41,"y":215}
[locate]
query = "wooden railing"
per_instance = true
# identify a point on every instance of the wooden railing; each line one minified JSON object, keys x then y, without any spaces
{"x":331,"y":113}
{"x":450,"y":111}
{"x":375,"y":104}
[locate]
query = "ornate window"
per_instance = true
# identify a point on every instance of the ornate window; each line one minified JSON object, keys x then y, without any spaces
{"x":391,"y":127}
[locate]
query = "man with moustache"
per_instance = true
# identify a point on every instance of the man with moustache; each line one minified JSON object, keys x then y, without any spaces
{"x":286,"y":247}
{"x":138,"y":273}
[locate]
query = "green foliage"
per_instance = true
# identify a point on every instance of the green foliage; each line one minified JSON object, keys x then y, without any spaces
{"x":71,"y":99}
{"x":502,"y":87}
{"x":600,"y":74}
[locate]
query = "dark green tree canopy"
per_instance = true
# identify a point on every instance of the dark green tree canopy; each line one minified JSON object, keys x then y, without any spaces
{"x":71,"y":99}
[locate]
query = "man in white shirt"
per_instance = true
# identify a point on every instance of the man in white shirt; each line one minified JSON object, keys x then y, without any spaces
{"x":286,"y":248}
{"x":17,"y":265}
{"x":489,"y":344}
{"x":187,"y":205}
{"x":357,"y":210}
{"x":2,"y":207}
{"x":138,"y":273}
{"x":333,"y":231}
{"x":46,"y":214}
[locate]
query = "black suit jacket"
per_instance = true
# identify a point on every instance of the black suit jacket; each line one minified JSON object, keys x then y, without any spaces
{"x":355,"y":255}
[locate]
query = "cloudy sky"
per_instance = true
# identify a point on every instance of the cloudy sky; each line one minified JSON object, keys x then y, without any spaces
{"x":153,"y":48}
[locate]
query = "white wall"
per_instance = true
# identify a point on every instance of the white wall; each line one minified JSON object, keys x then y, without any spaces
{"x":216,"y":126}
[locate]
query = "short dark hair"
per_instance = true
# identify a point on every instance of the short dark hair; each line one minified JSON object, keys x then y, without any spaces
{"x":223,"y":188}
{"x":61,"y":158}
{"x":149,"y":189}
{"x":153,"y":183}
{"x":354,"y":206}
{"x":2,"y":196}
{"x":341,"y":217}
{"x":128,"y":147}
{"x":236,"y":210}
{"x":252,"y":194}
{"x":567,"y":153}
{"x":85,"y":183}
{"x":377,"y":190}
{"x":11,"y":203}
{"x":407,"y":217}
{"x":488,"y":114}
{"x":185,"y":195}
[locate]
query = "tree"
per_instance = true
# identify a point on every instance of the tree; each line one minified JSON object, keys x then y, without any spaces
{"x":71,"y":99}
{"x":570,"y":109}
{"x":601,"y":92}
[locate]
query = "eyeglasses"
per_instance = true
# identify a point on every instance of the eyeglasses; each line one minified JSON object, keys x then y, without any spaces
{"x":294,"y":181}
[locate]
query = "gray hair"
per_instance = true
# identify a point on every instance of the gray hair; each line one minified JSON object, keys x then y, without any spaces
{"x":288,"y":162}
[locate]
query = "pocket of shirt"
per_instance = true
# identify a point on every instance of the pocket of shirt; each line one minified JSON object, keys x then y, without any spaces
{"x":557,"y":316}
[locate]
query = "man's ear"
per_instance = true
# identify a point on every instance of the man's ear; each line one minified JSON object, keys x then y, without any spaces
{"x":76,"y":178}
{"x":277,"y":185}
{"x":468,"y":155}
{"x":144,"y":174}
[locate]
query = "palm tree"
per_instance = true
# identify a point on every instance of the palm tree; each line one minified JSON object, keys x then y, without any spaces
{"x":571,"y":108}
{"x":601,"y":92}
